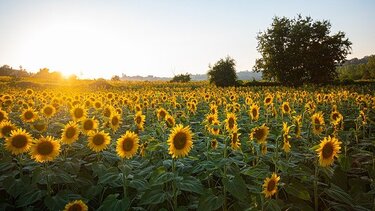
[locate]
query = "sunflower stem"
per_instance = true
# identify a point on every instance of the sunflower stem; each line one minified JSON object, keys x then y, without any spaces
{"x":124,"y":177}
{"x":225,"y":175}
{"x":316,"y":187}
{"x":174,"y":184}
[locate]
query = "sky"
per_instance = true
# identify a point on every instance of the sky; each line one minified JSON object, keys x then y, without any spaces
{"x":93,"y":39}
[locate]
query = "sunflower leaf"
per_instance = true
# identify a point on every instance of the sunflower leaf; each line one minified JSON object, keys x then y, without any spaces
{"x":298,"y":190}
{"x":190,"y":184}
{"x":112,"y":203}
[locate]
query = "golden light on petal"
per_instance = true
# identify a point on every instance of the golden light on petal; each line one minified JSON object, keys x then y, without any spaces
{"x":270,"y":185}
{"x":98,"y":141}
{"x":18,"y":142}
{"x":77,"y":205}
{"x":329,"y":148}
{"x":70,"y":133}
{"x":45,"y":149}
{"x":127,"y":145}
{"x":180,"y":141}
{"x":260,"y":133}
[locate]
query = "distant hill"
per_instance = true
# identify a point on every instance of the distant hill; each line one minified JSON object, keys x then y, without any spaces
{"x":356,"y":61}
{"x":242,"y":75}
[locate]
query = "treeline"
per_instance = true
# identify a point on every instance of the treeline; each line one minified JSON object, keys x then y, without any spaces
{"x":44,"y":73}
{"x":358,"y":69}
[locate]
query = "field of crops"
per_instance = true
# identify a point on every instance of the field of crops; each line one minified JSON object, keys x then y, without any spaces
{"x":187,"y":147}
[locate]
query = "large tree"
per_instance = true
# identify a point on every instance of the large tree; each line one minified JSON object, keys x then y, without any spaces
{"x":300,"y":50}
{"x":223,"y":73}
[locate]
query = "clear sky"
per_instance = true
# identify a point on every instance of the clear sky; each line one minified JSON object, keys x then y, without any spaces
{"x":95,"y":39}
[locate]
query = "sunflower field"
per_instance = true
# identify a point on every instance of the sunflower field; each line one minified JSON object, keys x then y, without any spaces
{"x":167,"y":146}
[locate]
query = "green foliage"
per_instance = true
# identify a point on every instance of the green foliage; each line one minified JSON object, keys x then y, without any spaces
{"x":299,"y":50}
{"x":357,"y":69}
{"x":115,"y":78}
{"x":181,"y":78}
{"x":223,"y":73}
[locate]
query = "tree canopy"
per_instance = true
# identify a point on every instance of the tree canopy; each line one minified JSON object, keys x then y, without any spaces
{"x":223,"y":73}
{"x":181,"y":78}
{"x":300,"y":50}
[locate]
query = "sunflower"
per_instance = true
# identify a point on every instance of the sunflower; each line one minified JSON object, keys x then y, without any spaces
{"x":231,"y":122}
{"x":89,"y":125}
{"x":285,"y":108}
{"x":329,"y":148}
{"x":6,"y":128}
{"x":298,"y":125}
{"x":3,"y":115}
{"x":215,"y":127}
{"x":77,"y":205}
{"x":97,"y":105}
{"x":161,"y":113}
{"x":127,"y":145}
{"x":169,"y":119}
{"x":317,"y":123}
{"x":29,"y":115}
{"x":234,"y":141}
{"x":180,"y":141}
{"x":286,"y":137}
{"x":270,"y":185}
{"x":29,"y":92}
{"x":139,"y":120}
{"x":108,"y":111}
{"x":115,"y":121}
{"x":260,"y":133}
{"x":45,"y":149}
{"x":210,"y":118}
{"x":18,"y":142}
{"x":254,"y":112}
{"x":268,"y":100}
{"x":362,"y":117}
{"x":98,"y":141}
{"x":142,"y":149}
{"x":48,"y":111}
{"x":336,"y":117}
{"x":78,"y":113}
{"x":213,"y":109}
{"x":39,"y":126}
{"x":214,"y":143}
{"x":70,"y":133}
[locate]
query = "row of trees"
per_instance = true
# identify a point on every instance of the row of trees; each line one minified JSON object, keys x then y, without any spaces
{"x":356,"y":69}
{"x":294,"y":51}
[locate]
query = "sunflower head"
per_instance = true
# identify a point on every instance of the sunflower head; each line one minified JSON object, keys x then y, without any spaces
{"x":215,"y":127}
{"x":161,"y":113}
{"x":48,"y":111}
{"x":3,"y":115}
{"x":254,"y":112}
{"x":98,"y":141}
{"x":214,"y":143}
{"x":210,"y":118}
{"x":260,"y":133}
{"x":285,"y":108}
{"x":29,"y":115}
{"x":317,"y":120}
{"x":77,"y":205}
{"x":139,"y":120}
{"x":115,"y":121}
{"x":127,"y":145}
{"x":231,"y":122}
{"x":180,"y":141}
{"x":336,"y":118}
{"x":6,"y":127}
{"x":235,"y":141}
{"x":270,"y":185}
{"x":169,"y":119}
{"x":18,"y":142}
{"x":78,"y":112}
{"x":89,"y":125}
{"x":70,"y":133}
{"x":298,"y":125}
{"x":45,"y":149}
{"x":268,"y":100}
{"x":328,"y":149}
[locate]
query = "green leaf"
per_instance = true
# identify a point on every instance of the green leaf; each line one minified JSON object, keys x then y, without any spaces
{"x":162,"y":178}
{"x":209,"y":201}
{"x":190,"y":184}
{"x":298,"y":190}
{"x":272,"y":205}
{"x":110,"y":177}
{"x":336,"y":193}
{"x":112,"y":203}
{"x":155,"y":196}
{"x":29,"y":197}
{"x":13,"y":186}
{"x":259,"y":172}
{"x":237,"y":187}
{"x":139,"y":184}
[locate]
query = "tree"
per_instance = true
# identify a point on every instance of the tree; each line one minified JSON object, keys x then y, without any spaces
{"x":115,"y":78}
{"x":300,"y":50}
{"x":181,"y":78}
{"x":223,"y":72}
